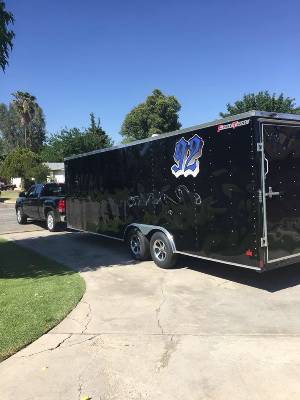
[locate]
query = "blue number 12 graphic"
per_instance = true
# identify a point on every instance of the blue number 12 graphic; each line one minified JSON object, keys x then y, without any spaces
{"x":186,"y":156}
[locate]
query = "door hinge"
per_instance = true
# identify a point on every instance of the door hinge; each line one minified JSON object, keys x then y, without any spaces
{"x":259,"y":147}
{"x":264,"y":242}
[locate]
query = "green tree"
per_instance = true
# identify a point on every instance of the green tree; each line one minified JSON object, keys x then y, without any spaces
{"x":40,"y":172}
{"x":25,"y":164}
{"x":10,"y":128}
{"x":95,"y":137}
{"x":25,"y":106}
{"x":1,"y":145}
{"x":158,"y":114}
{"x":14,"y":120}
{"x":262,"y":101}
{"x":6,"y":35}
{"x":2,"y":152}
{"x":74,"y":141}
{"x":63,"y":144}
{"x":37,"y":130}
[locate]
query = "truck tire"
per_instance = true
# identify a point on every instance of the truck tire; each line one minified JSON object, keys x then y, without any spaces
{"x":51,"y":222}
{"x":21,"y":217}
{"x":138,"y":245}
{"x":161,"y":251}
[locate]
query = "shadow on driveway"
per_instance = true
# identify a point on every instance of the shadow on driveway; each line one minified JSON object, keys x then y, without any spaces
{"x":271,"y":281}
{"x":86,"y":252}
{"x":20,"y":263}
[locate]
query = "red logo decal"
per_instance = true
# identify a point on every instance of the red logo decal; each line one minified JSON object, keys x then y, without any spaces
{"x":232,"y":125}
{"x":220,"y":128}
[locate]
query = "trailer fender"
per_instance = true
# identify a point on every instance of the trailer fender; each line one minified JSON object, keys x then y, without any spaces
{"x":147,"y":229}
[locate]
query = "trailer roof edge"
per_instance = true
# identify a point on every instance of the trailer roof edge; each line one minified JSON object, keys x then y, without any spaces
{"x":231,"y":118}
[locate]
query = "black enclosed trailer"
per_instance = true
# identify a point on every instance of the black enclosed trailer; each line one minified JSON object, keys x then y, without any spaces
{"x":226,"y":191}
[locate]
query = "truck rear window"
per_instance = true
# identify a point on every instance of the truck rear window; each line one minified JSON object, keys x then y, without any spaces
{"x":54,"y":189}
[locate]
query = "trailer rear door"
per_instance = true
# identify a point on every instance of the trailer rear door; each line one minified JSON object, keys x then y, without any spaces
{"x":281,"y":190}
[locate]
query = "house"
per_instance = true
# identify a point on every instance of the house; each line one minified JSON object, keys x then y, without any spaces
{"x":57,"y":172}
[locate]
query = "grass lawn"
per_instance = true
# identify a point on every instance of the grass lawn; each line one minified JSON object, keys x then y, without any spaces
{"x":35,"y":294}
{"x":9,"y":195}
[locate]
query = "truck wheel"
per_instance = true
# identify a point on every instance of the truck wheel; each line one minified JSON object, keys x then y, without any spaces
{"x":21,"y":218}
{"x":138,"y":245}
{"x":51,"y":222}
{"x":161,"y":251}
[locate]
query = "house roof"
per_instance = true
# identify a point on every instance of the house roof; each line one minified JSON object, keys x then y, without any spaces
{"x":55,"y":166}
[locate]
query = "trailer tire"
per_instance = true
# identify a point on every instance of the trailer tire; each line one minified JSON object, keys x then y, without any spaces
{"x":21,"y":217}
{"x":138,"y":245}
{"x":161,"y":251}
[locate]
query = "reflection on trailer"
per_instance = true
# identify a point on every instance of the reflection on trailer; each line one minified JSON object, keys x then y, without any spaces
{"x":225,"y":191}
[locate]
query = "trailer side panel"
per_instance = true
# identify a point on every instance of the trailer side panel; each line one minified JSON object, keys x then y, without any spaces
{"x":200,"y":186}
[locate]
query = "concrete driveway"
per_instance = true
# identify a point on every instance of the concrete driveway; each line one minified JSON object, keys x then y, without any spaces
{"x":204,"y":331}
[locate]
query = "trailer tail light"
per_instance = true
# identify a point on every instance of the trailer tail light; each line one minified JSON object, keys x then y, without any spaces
{"x":61,"y":206}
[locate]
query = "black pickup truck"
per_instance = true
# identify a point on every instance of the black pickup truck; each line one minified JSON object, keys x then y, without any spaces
{"x":42,"y":202}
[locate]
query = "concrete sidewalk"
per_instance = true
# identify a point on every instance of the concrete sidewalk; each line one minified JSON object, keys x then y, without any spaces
{"x":203,"y":332}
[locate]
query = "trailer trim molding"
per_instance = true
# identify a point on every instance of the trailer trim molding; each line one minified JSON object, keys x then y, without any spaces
{"x":94,"y":233}
{"x":219,"y":261}
{"x":283,"y":258}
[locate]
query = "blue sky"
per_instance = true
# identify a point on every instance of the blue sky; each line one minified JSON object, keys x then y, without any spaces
{"x":107,"y":56}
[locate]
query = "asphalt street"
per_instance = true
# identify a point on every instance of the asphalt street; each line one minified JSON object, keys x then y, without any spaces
{"x":8,"y":221}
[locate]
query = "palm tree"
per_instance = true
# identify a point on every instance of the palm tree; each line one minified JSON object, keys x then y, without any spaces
{"x":25,"y":104}
{"x":6,"y":35}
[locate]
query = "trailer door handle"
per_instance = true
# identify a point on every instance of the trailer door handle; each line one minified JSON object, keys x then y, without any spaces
{"x":267,"y":166}
{"x":270,"y":193}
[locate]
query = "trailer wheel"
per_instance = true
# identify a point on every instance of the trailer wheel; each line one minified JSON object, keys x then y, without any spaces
{"x":138,"y":245}
{"x":161,"y":251}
